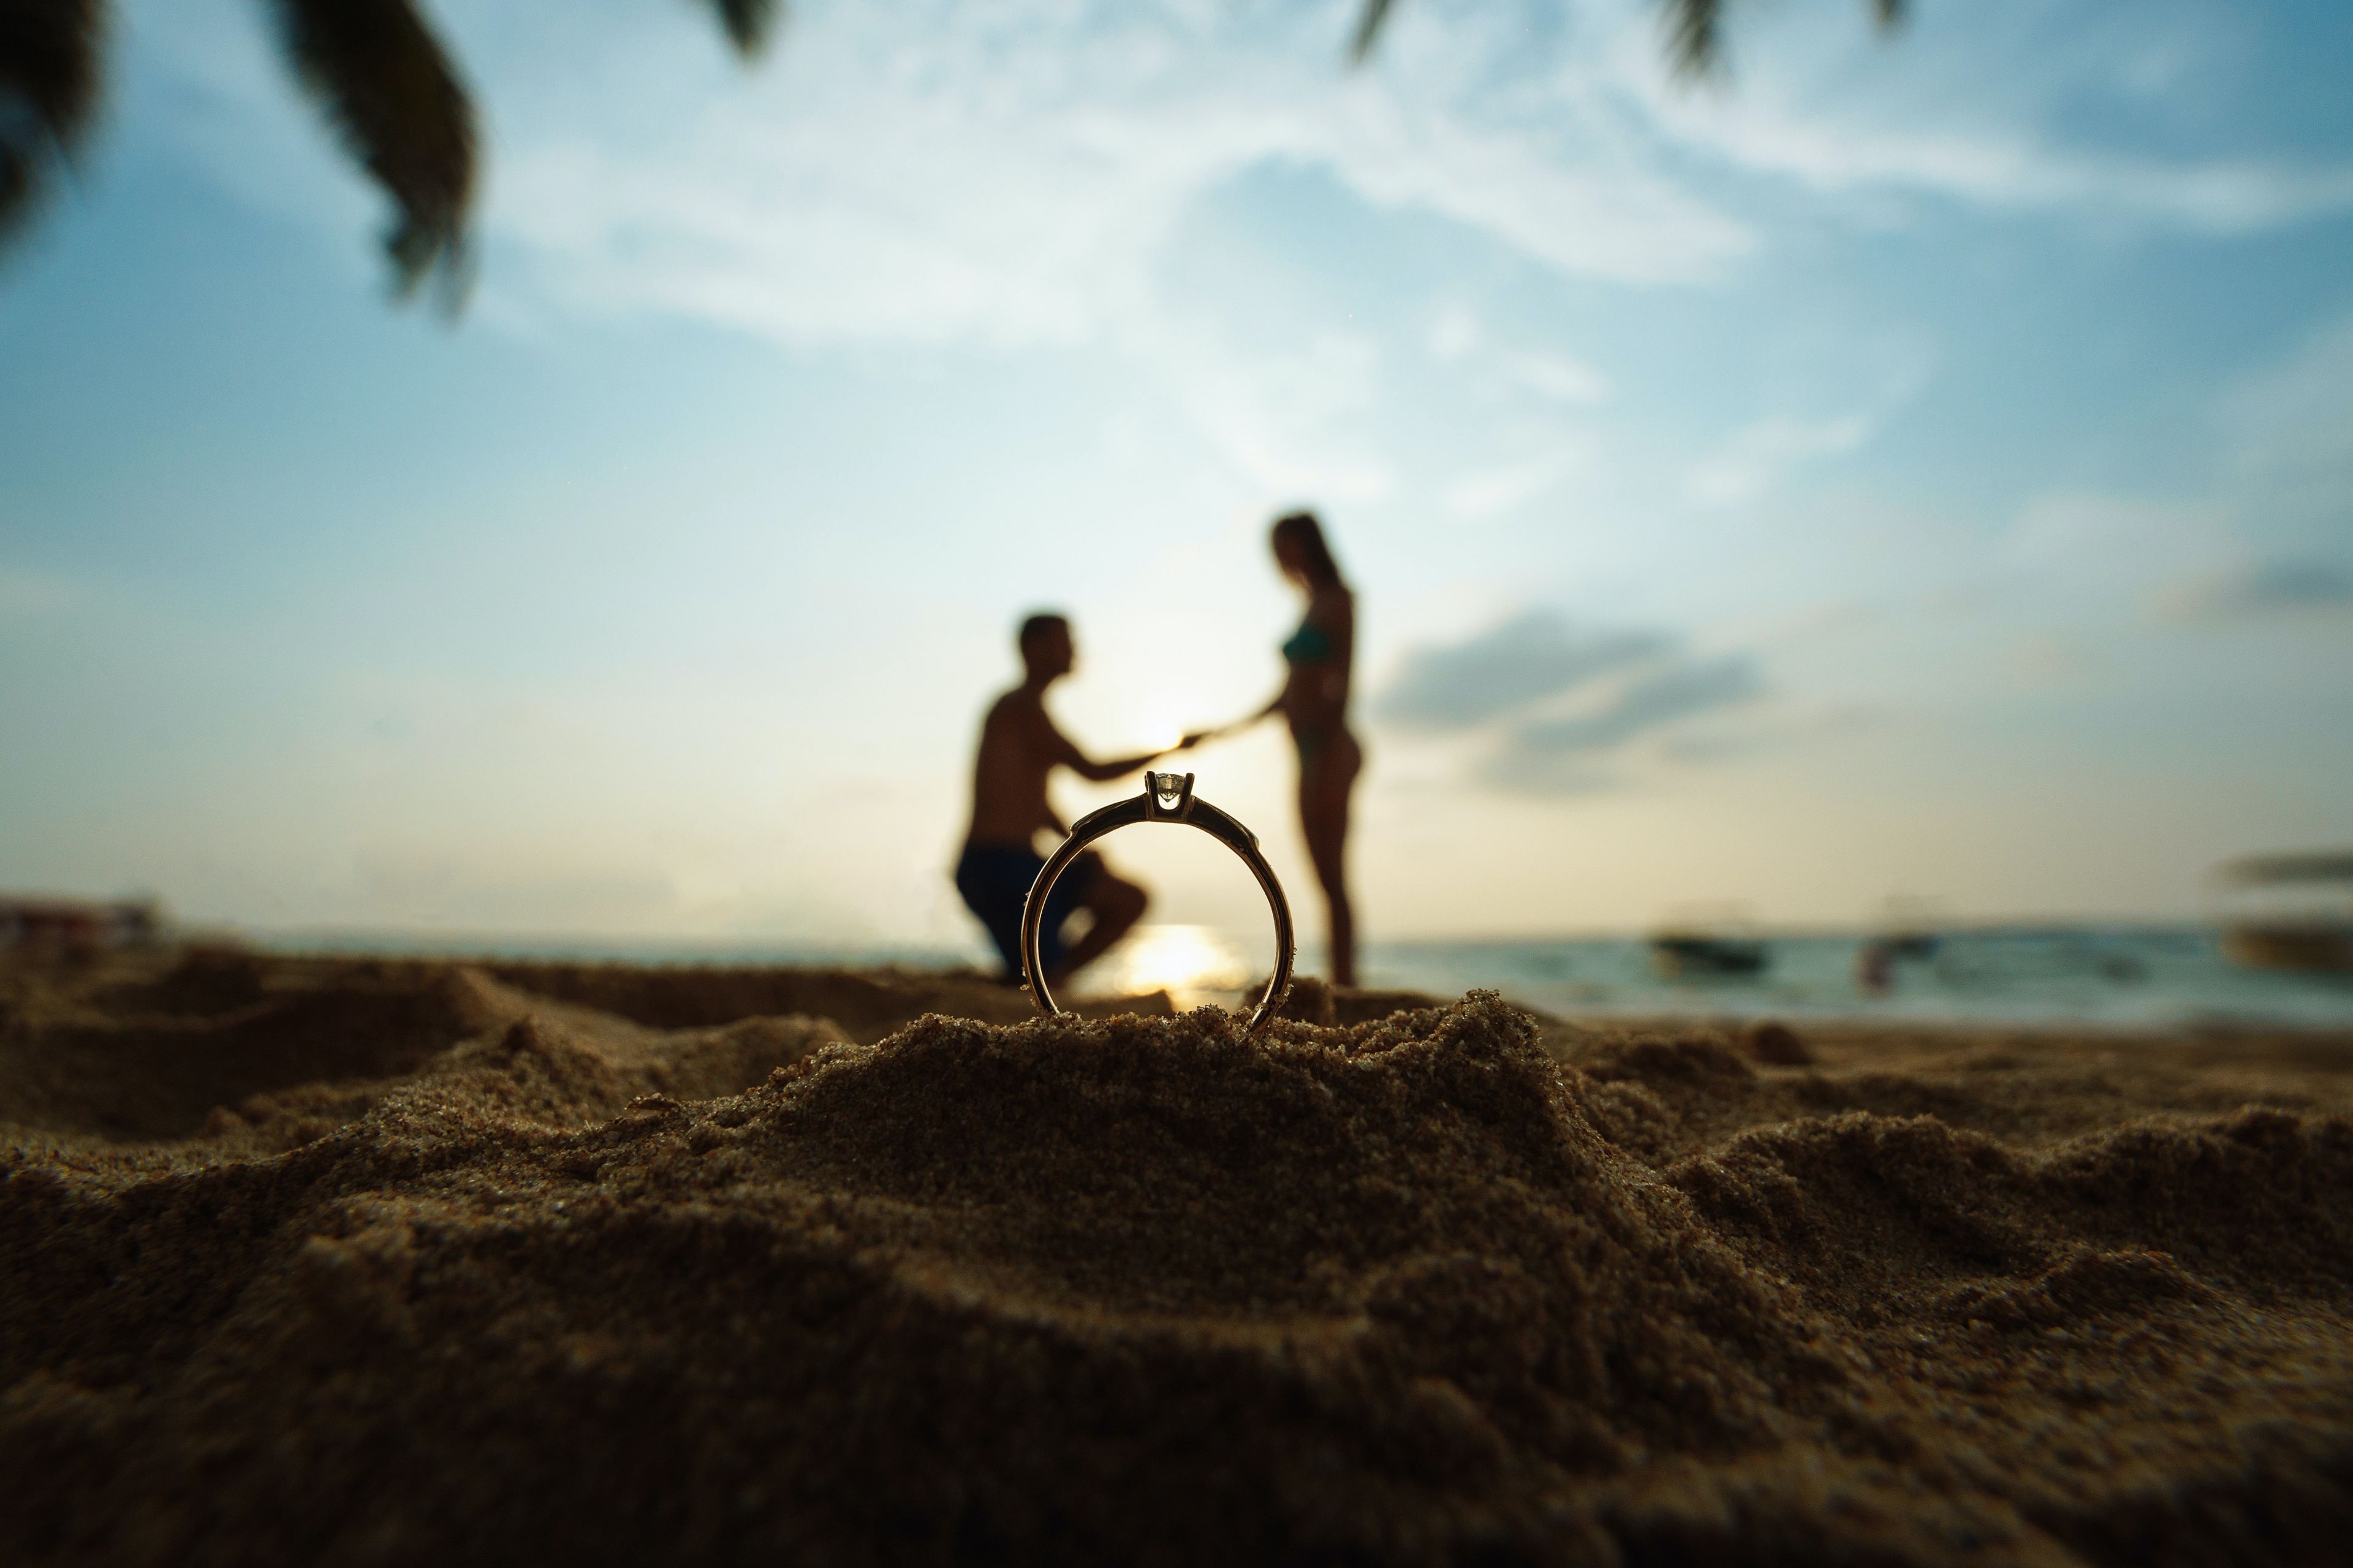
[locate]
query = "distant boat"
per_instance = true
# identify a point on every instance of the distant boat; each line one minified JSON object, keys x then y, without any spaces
{"x":1697,"y":955}
{"x":1908,"y":929}
{"x":2289,"y":912}
{"x":1919,"y":944}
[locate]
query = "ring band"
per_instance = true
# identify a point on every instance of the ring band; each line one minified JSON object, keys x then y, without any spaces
{"x":1166,"y":797}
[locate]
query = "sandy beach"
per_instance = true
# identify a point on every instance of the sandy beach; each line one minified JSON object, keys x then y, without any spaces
{"x":342,"y":1261}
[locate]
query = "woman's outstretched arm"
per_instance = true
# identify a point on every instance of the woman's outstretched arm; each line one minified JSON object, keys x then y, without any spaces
{"x":1276,"y":705}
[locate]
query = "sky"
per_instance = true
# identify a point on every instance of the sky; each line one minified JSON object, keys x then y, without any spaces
{"x":1915,"y":466}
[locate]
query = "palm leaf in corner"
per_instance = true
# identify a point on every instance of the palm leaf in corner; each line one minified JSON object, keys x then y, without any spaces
{"x":48,"y":95}
{"x":1694,"y":30}
{"x":394,"y":98}
{"x":748,"y":23}
{"x":1695,"y":36}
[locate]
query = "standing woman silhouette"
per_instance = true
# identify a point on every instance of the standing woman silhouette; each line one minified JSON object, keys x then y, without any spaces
{"x":1314,"y":701}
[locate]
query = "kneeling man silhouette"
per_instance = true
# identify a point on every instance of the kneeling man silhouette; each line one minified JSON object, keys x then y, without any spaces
{"x":1020,"y":749}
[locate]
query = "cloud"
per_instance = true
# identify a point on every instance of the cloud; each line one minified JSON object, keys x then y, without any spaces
{"x":1546,"y":754}
{"x":1524,"y":660}
{"x":1974,"y":116}
{"x":1555,"y":376}
{"x":2258,"y":536}
{"x":2096,"y":533}
{"x":2269,"y":591}
{"x":2288,"y":429}
{"x":2001,"y":171}
{"x":1010,"y":171}
{"x":1759,"y":455}
{"x":1488,"y":491}
{"x":1558,"y":707}
{"x":1455,"y":331}
{"x":1290,"y":417}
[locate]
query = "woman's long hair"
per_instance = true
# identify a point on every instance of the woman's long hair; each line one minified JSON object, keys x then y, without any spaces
{"x":1303,"y":534}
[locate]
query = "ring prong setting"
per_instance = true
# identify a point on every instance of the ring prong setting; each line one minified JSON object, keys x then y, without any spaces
{"x":1167,"y":797}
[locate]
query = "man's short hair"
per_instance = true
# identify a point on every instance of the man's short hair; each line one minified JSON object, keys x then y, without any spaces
{"x":1040,"y":625}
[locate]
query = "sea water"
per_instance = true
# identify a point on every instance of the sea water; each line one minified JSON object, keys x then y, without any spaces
{"x":2139,"y":976}
{"x":2120,"y":976}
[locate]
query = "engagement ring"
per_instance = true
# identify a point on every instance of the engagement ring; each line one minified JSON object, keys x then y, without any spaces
{"x":1166,"y":797}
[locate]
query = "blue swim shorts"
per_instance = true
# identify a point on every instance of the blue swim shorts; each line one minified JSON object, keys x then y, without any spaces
{"x":994,"y":878}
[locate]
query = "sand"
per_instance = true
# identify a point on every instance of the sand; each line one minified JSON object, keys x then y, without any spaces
{"x":408,"y":1262}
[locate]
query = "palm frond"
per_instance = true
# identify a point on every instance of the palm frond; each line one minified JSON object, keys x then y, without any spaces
{"x":50,"y":58}
{"x":1695,"y":31}
{"x":749,"y":22}
{"x":392,"y":93}
{"x":1695,"y":36}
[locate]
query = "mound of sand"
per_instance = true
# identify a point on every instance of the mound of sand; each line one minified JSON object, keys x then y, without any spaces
{"x":602,"y":1270}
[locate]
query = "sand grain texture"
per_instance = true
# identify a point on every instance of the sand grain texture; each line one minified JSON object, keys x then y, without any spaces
{"x":411,"y":1263}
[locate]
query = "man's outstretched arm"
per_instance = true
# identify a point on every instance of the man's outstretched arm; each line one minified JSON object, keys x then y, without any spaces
{"x":1058,"y":747}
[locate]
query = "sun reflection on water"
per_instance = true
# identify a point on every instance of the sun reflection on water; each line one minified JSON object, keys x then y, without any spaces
{"x":1192,"y":963}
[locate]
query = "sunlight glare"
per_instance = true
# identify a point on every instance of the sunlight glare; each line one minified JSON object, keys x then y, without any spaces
{"x":1188,"y":961}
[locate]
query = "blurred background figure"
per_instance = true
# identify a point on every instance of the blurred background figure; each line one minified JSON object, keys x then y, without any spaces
{"x":1319,"y":659}
{"x":1874,"y":967}
{"x":1020,"y":749}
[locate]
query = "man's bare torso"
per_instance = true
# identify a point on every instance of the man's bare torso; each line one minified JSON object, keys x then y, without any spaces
{"x":1018,"y":748}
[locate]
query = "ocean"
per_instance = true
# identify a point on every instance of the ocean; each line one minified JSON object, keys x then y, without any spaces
{"x":2123,"y":976}
{"x":2120,"y":976}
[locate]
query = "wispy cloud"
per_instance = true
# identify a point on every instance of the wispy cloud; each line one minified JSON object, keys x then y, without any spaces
{"x":1555,"y":376}
{"x":1759,"y":455}
{"x":2271,"y":590}
{"x":1008,"y":171}
{"x":2288,"y":431}
{"x":1974,"y":115}
{"x":1287,"y":416}
{"x":2001,"y":171}
{"x":2259,"y":537}
{"x":1556,"y":704}
{"x":1457,"y":334}
{"x":1523,"y":660}
{"x":1486,"y":492}
{"x":1558,"y":754}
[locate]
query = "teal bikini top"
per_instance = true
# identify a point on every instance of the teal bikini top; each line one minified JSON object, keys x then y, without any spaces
{"x":1307,"y":645}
